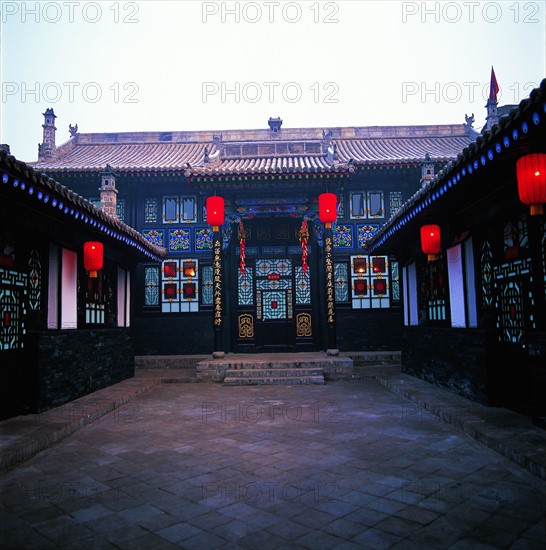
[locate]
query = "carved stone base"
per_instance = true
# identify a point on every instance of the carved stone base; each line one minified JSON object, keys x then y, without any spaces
{"x":218,"y":354}
{"x":332,"y":352}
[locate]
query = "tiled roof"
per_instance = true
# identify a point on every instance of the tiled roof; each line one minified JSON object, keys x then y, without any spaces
{"x":235,"y":152}
{"x":523,"y":129}
{"x":29,"y":184}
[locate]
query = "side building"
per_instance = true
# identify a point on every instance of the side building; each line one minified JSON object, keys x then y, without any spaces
{"x":474,"y":306}
{"x":66,"y":291}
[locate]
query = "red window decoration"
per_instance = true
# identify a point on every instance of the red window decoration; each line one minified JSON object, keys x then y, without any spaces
{"x":327,"y":208}
{"x":361,"y":287}
{"x":242,"y":254}
{"x":188,"y":269}
{"x":380,"y":287}
{"x":170,"y":269}
{"x":215,"y":211}
{"x":430,"y":241}
{"x":304,"y":240}
{"x":378,"y":265}
{"x":93,"y":257}
{"x":170,"y":291}
{"x":360,"y":265}
{"x":531,"y":172}
{"x":274,"y":304}
{"x":189,"y":291}
{"x":7,"y":319}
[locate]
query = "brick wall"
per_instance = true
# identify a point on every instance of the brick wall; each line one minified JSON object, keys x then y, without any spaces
{"x":172,"y":335}
{"x":448,"y":357}
{"x":70,"y":364}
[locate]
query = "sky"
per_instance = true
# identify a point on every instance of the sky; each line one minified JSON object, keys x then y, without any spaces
{"x":122,"y":66}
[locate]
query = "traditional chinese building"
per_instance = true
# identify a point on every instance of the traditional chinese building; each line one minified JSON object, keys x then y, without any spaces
{"x":270,"y":295}
{"x":65,"y":290}
{"x":474,"y":302}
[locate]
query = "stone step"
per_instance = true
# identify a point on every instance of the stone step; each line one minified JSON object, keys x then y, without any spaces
{"x":274,"y":372}
{"x":275,"y":380}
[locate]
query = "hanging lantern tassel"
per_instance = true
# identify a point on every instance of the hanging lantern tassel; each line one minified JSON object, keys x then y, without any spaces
{"x":304,"y":239}
{"x":242,"y":254}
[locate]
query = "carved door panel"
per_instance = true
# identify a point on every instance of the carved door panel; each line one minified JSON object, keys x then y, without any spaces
{"x":274,"y":295}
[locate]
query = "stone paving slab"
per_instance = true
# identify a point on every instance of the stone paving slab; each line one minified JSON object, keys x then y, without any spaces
{"x":511,"y":434}
{"x":349,"y":464}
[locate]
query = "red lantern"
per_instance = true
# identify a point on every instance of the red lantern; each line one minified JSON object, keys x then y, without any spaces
{"x":531,"y":171}
{"x":215,"y":212}
{"x":430,"y":241}
{"x":92,"y":257}
{"x":327,"y":208}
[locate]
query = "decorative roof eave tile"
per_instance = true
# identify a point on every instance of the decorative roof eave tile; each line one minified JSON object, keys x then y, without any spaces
{"x":76,"y":209}
{"x":269,"y":168}
{"x":530,"y":113}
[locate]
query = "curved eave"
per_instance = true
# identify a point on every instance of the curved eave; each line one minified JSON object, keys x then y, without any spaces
{"x":31,"y":185}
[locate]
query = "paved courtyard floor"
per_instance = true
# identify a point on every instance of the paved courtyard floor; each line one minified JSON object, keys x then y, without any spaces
{"x":200,"y":465}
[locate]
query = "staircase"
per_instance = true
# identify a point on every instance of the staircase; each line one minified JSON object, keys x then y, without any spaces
{"x":272,"y":374}
{"x":275,"y":368}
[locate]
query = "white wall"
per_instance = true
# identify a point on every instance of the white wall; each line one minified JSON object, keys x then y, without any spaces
{"x":69,"y":290}
{"x":471,"y":300}
{"x":456,"y":286}
{"x":53,"y":288}
{"x":411,"y":315}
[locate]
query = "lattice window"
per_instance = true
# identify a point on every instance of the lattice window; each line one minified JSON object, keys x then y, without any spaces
{"x":35,"y":281}
{"x":207,"y":282}
{"x":265,"y":267}
{"x":120,"y":209}
{"x":395,"y":281}
{"x":13,"y":290}
{"x":395,"y":201}
{"x":178,"y":209}
{"x":274,"y":305}
{"x":180,"y":287}
{"x":486,"y":268}
{"x":96,"y":292}
{"x":151,"y":286}
{"x":341,"y":280}
{"x":366,"y":205}
{"x":436,"y":291}
{"x":151,"y":211}
{"x":370,"y":282}
{"x":513,"y":295}
{"x":516,"y":238}
{"x":245,"y":290}
{"x":303,"y":286}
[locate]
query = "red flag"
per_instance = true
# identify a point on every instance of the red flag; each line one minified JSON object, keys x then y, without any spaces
{"x":493,"y":87}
